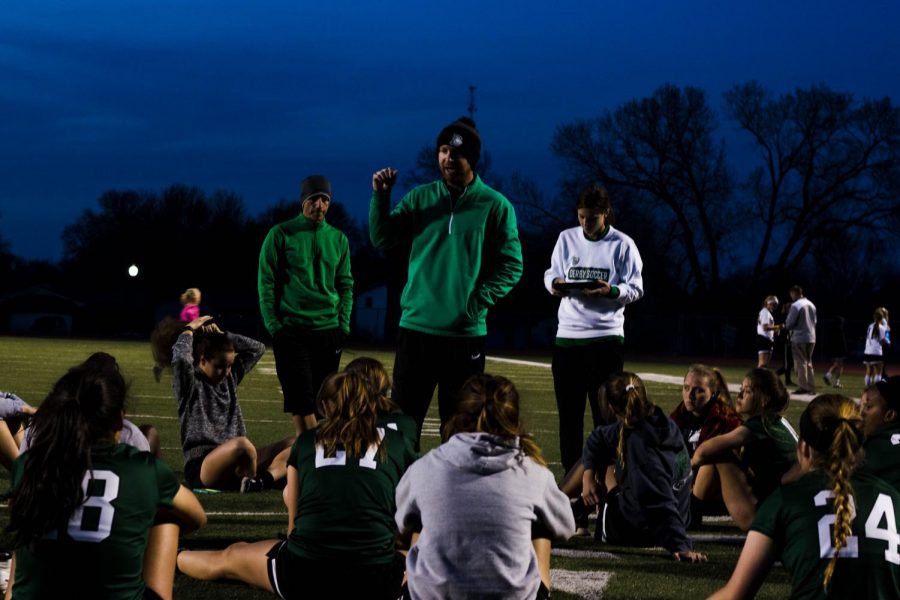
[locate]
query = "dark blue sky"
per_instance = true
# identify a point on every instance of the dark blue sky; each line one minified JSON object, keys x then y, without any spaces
{"x":251,"y":97}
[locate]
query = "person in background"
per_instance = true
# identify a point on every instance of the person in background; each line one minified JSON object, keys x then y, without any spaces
{"x":765,"y":331}
{"x":876,"y":341}
{"x":801,"y":322}
{"x":836,"y":350}
{"x":834,"y":529}
{"x":191,"y":301}
{"x":305,"y":297}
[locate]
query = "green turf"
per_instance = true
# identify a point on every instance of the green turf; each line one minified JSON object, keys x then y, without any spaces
{"x":31,"y":366}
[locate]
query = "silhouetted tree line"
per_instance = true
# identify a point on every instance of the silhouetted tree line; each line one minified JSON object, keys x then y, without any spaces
{"x":816,"y":201}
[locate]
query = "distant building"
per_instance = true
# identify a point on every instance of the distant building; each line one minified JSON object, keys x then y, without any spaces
{"x":38,"y":311}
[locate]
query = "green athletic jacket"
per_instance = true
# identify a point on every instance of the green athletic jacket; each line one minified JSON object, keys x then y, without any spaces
{"x":465,"y":254}
{"x":304,"y":277}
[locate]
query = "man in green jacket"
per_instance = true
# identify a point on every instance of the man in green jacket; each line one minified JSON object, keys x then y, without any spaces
{"x":305,"y":297}
{"x":465,"y":255}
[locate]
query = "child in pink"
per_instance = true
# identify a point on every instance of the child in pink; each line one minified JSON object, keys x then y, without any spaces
{"x":191,"y":300}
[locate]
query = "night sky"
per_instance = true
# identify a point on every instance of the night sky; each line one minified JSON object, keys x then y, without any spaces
{"x":250,"y":97}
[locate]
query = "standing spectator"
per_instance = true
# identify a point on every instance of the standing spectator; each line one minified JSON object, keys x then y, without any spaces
{"x":596,"y":270}
{"x":191,"y":301}
{"x":305,"y":297}
{"x":836,"y":350}
{"x":887,"y":337}
{"x":765,"y":331}
{"x":876,"y":341}
{"x":801,"y":322}
{"x":465,"y":255}
{"x":783,"y":345}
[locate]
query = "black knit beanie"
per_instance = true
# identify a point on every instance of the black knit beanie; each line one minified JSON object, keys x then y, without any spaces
{"x":315,"y":185}
{"x":462,"y":135}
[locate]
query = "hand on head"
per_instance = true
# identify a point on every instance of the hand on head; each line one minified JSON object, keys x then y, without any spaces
{"x":200,"y":322}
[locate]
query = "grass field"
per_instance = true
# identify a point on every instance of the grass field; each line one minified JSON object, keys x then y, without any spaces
{"x":31,"y":366}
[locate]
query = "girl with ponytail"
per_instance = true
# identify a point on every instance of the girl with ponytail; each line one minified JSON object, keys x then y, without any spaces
{"x":835,"y":528}
{"x":81,"y":506}
{"x":341,"y":479}
{"x":486,"y":488}
{"x":638,"y":471}
{"x":751,"y":460}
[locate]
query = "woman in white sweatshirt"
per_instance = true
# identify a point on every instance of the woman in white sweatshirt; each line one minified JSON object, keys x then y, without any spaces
{"x":595,"y":270}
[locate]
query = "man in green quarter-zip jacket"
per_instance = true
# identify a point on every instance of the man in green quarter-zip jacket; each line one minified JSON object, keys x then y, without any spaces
{"x":465,"y":256}
{"x":305,"y":297}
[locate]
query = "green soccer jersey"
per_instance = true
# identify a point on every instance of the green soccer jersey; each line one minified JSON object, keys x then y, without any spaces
{"x":883,"y":454}
{"x":799,"y":518}
{"x":770,"y":453}
{"x":345,"y":509}
{"x":101,"y":552}
{"x":403,"y":423}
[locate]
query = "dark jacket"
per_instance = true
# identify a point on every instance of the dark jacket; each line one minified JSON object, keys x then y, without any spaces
{"x":655,"y":480}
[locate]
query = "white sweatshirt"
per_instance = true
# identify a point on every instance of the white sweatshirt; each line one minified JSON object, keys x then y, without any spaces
{"x":613,"y":258}
{"x":765,"y":318}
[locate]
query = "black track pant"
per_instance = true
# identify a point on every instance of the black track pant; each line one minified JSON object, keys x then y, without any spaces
{"x":303,"y":359}
{"x":578,"y":372}
{"x":424,"y":361}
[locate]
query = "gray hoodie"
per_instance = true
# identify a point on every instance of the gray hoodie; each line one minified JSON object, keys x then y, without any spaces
{"x":478,"y":502}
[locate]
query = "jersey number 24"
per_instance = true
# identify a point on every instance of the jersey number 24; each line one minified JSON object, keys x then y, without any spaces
{"x":882,"y":509}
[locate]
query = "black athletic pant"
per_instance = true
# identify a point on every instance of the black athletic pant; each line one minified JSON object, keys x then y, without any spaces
{"x":303,"y":359}
{"x":578,"y":372}
{"x":424,"y":361}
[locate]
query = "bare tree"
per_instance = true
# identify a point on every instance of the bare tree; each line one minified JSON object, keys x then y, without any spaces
{"x":661,"y":150}
{"x":829,"y":169}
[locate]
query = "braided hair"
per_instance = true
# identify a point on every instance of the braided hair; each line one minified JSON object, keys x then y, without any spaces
{"x":833,"y":429}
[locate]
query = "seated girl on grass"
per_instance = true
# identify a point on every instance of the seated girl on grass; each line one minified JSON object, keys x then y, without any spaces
{"x":750,"y":460}
{"x":482,"y":508}
{"x":880,"y":408}
{"x":835,"y":528}
{"x":93,"y":518}
{"x":341,"y":481}
{"x":638,"y":471}
{"x":706,"y":411}
{"x":208,"y":365}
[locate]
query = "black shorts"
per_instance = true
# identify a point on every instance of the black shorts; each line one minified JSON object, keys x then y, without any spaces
{"x":192,"y":472}
{"x":293,"y":577}
{"x":614,"y":528}
{"x":764,"y":344}
{"x":872,"y":358}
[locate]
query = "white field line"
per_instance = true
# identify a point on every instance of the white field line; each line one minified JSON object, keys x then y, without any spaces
{"x":171,"y":418}
{"x":585,"y":584}
{"x":572,"y":553}
{"x":655,"y":377}
{"x":245,"y":514}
